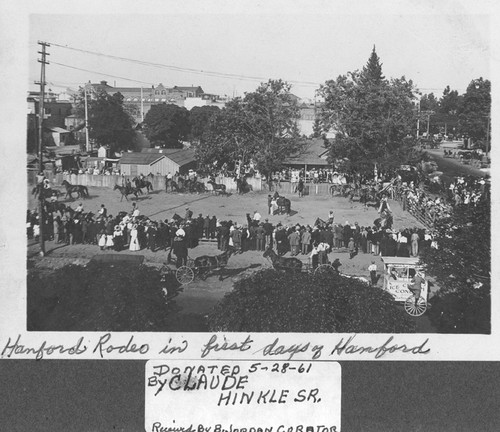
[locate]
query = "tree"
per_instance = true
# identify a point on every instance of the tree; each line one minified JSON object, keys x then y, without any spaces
{"x":450,"y":102}
{"x":103,"y":297}
{"x":109,"y":123}
{"x":269,"y":301}
{"x":476,"y":109}
{"x":261,"y":128}
{"x":429,"y":102}
{"x":167,"y":125}
{"x":199,"y":119}
{"x":372,"y":71}
{"x":461,"y":265}
{"x":373,"y":117}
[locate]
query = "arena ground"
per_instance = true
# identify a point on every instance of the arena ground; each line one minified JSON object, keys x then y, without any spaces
{"x":200,"y":296}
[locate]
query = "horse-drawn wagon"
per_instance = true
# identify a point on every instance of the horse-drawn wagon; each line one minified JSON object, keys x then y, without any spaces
{"x":296,"y":265}
{"x":199,"y":267}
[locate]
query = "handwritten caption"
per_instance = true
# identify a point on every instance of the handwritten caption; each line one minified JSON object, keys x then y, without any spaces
{"x":108,"y":345}
{"x":242,"y":396}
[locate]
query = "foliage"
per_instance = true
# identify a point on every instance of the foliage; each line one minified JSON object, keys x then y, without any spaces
{"x":269,"y":301}
{"x":260,"y":127}
{"x":167,"y":125}
{"x":101,"y":297}
{"x":109,"y":123}
{"x":476,"y":108}
{"x":429,"y":102}
{"x":372,"y":71}
{"x":461,"y":266}
{"x":373,"y":117}
{"x":450,"y":102}
{"x":199,"y":119}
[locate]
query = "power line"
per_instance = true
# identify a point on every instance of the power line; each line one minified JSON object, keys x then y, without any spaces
{"x":183,"y":69}
{"x":100,"y":73}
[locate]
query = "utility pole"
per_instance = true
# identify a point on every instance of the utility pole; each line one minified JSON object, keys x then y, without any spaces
{"x":41,"y":195}
{"x":142,"y":106}
{"x":488,"y":135}
{"x":87,"y":145}
{"x":418,"y":119}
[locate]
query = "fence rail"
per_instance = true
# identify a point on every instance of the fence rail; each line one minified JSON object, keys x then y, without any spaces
{"x":109,"y":181}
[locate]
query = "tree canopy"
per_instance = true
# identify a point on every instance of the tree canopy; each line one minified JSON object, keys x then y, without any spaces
{"x":261,"y":128}
{"x":373,"y":118}
{"x":104,"y":297}
{"x":461,"y":265}
{"x":167,"y":125}
{"x":476,"y":109}
{"x":109,"y":123}
{"x":269,"y":301}
{"x":199,"y":119}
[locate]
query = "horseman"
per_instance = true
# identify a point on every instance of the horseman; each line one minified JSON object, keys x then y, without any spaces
{"x":128,"y":186}
{"x":300,"y":187}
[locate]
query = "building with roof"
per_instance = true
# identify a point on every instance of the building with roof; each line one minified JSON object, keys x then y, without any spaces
{"x":178,"y":160}
{"x":142,"y":98}
{"x":136,"y":163}
{"x":314,"y":156}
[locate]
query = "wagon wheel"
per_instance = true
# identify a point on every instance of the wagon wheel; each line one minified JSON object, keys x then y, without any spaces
{"x":184,"y":275}
{"x":415,"y":309}
{"x":325,"y":269}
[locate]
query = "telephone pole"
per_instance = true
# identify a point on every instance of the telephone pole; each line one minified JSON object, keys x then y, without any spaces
{"x":41,"y":195}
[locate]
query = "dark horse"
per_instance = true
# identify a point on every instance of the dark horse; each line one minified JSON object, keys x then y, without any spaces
{"x":172,"y":184}
{"x":46,"y":192}
{"x":284,"y":205}
{"x":206,"y":263}
{"x":81,"y":191}
{"x":218,"y":188}
{"x":142,"y":183}
{"x":242,"y":185}
{"x":127,"y":191}
{"x":280,"y":263}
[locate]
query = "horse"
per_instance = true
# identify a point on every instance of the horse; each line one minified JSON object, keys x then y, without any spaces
{"x":81,"y":191}
{"x":300,"y":188}
{"x":280,"y":263}
{"x":321,"y":223}
{"x":127,"y":191}
{"x":218,"y":188}
{"x":284,"y":205}
{"x":46,"y":192}
{"x":206,"y":263}
{"x":142,"y":183}
{"x":172,"y":184}
{"x":385,"y":221}
{"x":243,"y":186}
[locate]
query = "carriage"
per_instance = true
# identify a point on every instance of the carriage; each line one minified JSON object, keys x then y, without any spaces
{"x":296,"y":265}
{"x":398,"y":273}
{"x":199,"y":267}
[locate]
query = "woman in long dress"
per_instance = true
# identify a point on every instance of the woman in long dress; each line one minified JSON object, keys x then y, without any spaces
{"x":134,"y":242}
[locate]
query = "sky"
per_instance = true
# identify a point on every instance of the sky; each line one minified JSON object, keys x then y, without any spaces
{"x":305,"y":44}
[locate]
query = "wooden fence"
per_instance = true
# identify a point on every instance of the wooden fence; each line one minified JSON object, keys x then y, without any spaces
{"x":109,"y":181}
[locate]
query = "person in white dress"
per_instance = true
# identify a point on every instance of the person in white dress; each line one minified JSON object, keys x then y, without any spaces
{"x":134,"y":242}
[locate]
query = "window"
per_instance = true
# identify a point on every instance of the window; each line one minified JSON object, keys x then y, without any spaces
{"x":157,"y":92}
{"x":163,"y":92}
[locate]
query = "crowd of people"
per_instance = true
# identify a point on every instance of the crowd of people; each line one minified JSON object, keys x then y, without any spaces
{"x":468,"y":190}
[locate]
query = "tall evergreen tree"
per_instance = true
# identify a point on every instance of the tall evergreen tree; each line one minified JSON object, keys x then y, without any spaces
{"x":372,"y":71}
{"x":373,"y":117}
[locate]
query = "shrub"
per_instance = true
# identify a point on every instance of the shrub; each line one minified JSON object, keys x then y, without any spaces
{"x":269,"y":301}
{"x":102,"y":297}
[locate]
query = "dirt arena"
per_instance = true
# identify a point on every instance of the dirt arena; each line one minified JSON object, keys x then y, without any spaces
{"x":201,"y":296}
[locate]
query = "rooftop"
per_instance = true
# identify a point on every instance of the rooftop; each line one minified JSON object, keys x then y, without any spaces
{"x":140,"y":158}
